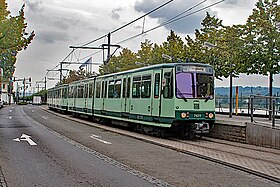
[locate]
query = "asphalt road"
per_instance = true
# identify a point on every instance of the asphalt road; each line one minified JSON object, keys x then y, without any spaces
{"x":73,"y":154}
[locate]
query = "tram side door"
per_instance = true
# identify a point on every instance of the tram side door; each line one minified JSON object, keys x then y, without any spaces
{"x":156,"y":93}
{"x":167,"y":93}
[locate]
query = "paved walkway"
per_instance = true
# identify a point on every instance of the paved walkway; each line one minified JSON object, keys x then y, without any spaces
{"x":242,"y":120}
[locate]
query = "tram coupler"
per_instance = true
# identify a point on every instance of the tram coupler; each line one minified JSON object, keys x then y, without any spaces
{"x":202,"y":128}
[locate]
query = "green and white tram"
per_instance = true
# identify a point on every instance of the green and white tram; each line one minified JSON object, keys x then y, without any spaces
{"x":174,"y":97}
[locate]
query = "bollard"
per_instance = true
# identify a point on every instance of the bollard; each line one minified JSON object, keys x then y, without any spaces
{"x":252,"y":109}
{"x":273,"y":113}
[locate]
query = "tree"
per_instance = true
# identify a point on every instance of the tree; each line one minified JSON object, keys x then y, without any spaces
{"x":262,"y":41}
{"x":13,"y":37}
{"x":175,"y":47}
{"x":126,"y":60}
{"x":75,"y":75}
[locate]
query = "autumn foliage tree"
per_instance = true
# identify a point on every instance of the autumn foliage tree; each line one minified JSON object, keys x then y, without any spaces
{"x":13,"y":37}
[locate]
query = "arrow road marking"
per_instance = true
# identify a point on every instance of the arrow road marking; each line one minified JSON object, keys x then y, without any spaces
{"x":10,"y":117}
{"x":25,"y":137}
{"x":96,"y":137}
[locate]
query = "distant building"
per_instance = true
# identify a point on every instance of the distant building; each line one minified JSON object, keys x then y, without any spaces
{"x":4,"y":87}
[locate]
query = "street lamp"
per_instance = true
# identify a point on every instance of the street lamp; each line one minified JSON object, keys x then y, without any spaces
{"x":210,"y":45}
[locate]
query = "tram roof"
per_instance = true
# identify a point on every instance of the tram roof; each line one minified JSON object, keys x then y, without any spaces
{"x":151,"y":67}
{"x":155,"y":66}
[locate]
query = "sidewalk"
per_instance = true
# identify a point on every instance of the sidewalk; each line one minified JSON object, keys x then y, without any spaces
{"x":243,"y":120}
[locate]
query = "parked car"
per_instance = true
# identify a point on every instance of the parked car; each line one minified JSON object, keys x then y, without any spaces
{"x":1,"y":103}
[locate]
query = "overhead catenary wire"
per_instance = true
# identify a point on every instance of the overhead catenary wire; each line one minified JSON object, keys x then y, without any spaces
{"x":155,"y":9}
{"x":129,"y":23}
{"x":175,"y":18}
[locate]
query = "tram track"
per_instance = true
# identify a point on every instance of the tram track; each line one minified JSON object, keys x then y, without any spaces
{"x":259,"y":162}
{"x":195,"y":143}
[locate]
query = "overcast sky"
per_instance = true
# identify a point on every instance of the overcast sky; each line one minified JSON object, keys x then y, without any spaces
{"x":59,"y":24}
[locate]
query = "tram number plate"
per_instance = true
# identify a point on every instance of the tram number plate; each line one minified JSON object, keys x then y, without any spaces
{"x":196,"y":106}
{"x":197,"y":115}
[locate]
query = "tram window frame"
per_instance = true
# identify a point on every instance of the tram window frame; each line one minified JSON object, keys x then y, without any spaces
{"x":136,"y":87}
{"x":146,"y":86}
{"x":128,"y":87}
{"x":157,"y":85}
{"x":105,"y":89}
{"x":97,"y":91}
{"x":168,"y":85}
{"x":102,"y":89}
{"x":86,"y":91}
{"x":124,"y":88}
{"x":80,"y":91}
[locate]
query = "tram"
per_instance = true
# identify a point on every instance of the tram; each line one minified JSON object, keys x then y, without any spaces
{"x":157,"y":99}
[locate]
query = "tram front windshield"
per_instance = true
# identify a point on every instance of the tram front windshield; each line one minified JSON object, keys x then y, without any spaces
{"x":194,"y":85}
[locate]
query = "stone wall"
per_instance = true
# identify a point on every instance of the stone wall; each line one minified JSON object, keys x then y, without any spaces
{"x":262,"y":136}
{"x":235,"y":133}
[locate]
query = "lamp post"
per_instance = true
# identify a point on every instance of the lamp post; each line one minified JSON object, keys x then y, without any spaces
{"x":210,"y":45}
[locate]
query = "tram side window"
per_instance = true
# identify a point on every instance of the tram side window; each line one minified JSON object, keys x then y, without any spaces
{"x":111,"y":89}
{"x":98,"y":87}
{"x":146,"y":86}
{"x":64,"y":95}
{"x":80,"y":91}
{"x":136,"y":87}
{"x":156,"y":91}
{"x":75,"y":90}
{"x":168,"y":85}
{"x":117,"y":91}
{"x":90,"y":90}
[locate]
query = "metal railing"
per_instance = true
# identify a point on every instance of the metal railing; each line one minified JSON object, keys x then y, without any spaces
{"x":255,"y":105}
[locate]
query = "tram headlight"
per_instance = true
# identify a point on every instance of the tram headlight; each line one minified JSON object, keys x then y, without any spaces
{"x":183,"y":115}
{"x":211,"y":115}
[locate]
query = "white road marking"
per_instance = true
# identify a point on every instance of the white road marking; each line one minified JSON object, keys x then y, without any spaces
{"x":25,"y":137}
{"x":45,"y":117}
{"x":33,"y":110}
{"x":96,"y":137}
{"x":10,"y":117}
{"x":11,"y":111}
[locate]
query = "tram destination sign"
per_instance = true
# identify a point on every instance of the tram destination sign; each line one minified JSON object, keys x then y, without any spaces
{"x":194,"y":68}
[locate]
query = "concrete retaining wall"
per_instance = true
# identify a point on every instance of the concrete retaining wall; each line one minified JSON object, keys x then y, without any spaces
{"x":235,"y":133}
{"x":262,"y":136}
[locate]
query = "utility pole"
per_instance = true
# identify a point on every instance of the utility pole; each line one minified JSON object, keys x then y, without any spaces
{"x":60,"y":77}
{"x":45,"y":83}
{"x":109,"y":44}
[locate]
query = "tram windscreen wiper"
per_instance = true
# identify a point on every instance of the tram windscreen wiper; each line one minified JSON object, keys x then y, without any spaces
{"x":209,"y":97}
{"x":181,"y":95}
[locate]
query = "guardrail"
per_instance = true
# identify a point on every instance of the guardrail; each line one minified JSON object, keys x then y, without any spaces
{"x":272,"y":107}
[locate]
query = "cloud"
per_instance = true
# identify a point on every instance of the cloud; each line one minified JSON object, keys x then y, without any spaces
{"x":185,"y":25}
{"x":115,"y":15}
{"x":52,"y":36}
{"x":34,"y":5}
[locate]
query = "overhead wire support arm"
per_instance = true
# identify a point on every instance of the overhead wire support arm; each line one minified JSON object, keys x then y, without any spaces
{"x":83,"y":47}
